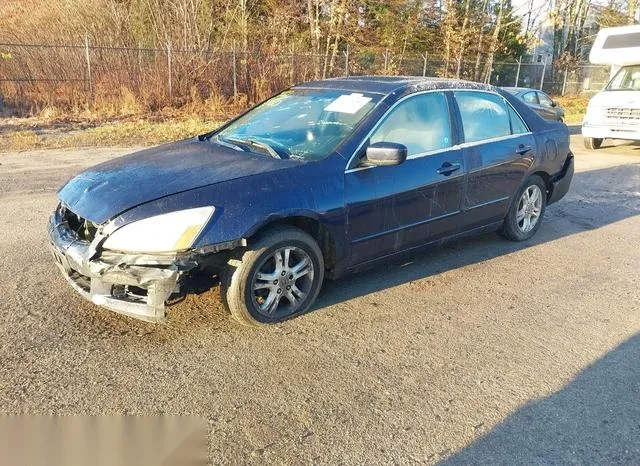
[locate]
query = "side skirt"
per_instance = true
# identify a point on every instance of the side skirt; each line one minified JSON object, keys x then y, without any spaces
{"x":421,"y":248}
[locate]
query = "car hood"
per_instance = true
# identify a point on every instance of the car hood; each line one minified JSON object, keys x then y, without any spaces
{"x":106,"y":190}
{"x":622,"y":99}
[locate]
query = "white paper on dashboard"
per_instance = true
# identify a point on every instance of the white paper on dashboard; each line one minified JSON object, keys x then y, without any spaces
{"x":348,"y":103}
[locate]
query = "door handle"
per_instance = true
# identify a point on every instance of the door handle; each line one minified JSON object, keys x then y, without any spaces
{"x":522,"y":149}
{"x":448,"y":168}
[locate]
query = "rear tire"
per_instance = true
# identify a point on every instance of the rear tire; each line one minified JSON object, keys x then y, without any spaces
{"x":527,"y":210}
{"x":278,"y":277}
{"x":593,"y":143}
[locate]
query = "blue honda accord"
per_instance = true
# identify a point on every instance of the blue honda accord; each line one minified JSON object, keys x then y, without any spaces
{"x":320,"y":180}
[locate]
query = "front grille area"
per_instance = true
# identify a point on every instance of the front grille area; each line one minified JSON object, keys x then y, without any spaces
{"x":85,"y":229}
{"x":623,"y":115}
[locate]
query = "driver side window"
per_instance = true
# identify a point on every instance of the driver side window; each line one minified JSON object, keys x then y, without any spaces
{"x":421,"y":123}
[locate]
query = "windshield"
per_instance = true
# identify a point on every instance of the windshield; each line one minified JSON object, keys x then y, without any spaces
{"x":626,"y":79}
{"x":303,"y":124}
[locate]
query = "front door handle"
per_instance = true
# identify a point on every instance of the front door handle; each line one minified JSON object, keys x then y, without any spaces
{"x":522,"y":149}
{"x":448,"y":168}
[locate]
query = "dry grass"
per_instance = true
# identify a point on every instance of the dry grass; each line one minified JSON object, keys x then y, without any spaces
{"x":575,"y":107}
{"x":19,"y":135}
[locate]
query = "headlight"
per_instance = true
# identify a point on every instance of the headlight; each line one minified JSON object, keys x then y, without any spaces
{"x":175,"y":231}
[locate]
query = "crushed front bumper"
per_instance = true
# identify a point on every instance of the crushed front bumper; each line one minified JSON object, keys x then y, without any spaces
{"x":132,"y":284}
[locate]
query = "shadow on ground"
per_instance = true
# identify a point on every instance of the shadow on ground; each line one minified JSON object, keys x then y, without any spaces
{"x":597,"y":198}
{"x":595,"y":419}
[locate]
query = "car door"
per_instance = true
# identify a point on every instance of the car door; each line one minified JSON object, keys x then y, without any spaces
{"x":547,"y":106}
{"x":408,"y":204}
{"x":498,"y":151}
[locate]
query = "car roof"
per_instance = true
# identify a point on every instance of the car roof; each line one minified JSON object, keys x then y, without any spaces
{"x":388,"y":84}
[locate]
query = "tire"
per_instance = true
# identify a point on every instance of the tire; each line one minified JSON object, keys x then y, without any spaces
{"x":250,"y":269}
{"x":517,"y":229}
{"x":593,"y":143}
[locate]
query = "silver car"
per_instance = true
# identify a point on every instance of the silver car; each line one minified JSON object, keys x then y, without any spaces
{"x":539,"y":102}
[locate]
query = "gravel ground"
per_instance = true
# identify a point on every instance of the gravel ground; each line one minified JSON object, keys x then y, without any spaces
{"x":485,"y":351}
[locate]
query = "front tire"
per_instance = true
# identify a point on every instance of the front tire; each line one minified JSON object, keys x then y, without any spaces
{"x":277,"y":278}
{"x":593,"y":143}
{"x":527,"y":210}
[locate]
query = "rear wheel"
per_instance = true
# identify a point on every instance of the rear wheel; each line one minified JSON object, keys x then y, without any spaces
{"x":527,"y":210}
{"x":593,"y":143}
{"x":278,"y":278}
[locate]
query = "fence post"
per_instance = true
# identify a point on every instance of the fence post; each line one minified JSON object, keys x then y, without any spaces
{"x":386,"y":60}
{"x":518,"y":72}
{"x":544,"y":71}
{"x":424,"y":63}
{"x":346,"y":62}
{"x":169,"y":66}
{"x":88,"y":58}
{"x":564,"y":82}
{"x":235,"y":74}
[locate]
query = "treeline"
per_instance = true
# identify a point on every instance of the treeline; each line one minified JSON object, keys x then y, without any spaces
{"x":457,"y":31}
{"x":465,"y":37}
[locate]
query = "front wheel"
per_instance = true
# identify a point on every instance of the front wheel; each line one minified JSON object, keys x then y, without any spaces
{"x":593,"y":143}
{"x":277,"y":278}
{"x":526,"y":212}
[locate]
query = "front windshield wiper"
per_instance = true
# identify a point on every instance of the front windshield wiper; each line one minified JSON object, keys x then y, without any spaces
{"x":256,"y":144}
{"x":223,"y":142}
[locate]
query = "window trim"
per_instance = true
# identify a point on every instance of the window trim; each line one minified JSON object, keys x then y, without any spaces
{"x":461,"y":145}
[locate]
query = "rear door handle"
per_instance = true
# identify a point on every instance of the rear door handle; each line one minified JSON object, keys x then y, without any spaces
{"x":448,"y":168}
{"x":522,"y":149}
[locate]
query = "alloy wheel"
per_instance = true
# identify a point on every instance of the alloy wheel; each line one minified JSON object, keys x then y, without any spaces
{"x":282,"y":282}
{"x":529,"y":208}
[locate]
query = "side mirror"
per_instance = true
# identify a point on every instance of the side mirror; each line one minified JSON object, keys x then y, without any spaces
{"x":385,"y":153}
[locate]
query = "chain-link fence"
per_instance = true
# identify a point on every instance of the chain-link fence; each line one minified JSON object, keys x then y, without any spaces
{"x":33,"y":76}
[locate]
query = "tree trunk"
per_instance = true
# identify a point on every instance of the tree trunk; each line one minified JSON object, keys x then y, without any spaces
{"x":494,"y":43}
{"x":632,"y":8}
{"x":313,"y":33}
{"x":476,"y":68}
{"x":336,"y":39}
{"x":463,"y":38}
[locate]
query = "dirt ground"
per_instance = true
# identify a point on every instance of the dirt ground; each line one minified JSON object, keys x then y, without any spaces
{"x":485,"y":351}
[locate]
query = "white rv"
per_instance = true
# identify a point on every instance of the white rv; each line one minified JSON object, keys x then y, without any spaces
{"x":614,"y":113}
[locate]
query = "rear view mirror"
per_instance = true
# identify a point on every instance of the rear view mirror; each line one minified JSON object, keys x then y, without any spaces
{"x":385,"y":153}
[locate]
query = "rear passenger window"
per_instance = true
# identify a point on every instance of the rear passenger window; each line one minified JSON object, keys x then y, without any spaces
{"x":421,"y":123}
{"x":484,"y":115}
{"x":517,"y":125}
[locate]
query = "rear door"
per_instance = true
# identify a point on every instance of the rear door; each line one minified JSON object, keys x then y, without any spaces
{"x":498,"y":151}
{"x":415,"y":201}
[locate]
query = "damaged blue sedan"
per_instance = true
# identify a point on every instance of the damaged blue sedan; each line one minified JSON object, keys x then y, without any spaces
{"x":322,"y":179}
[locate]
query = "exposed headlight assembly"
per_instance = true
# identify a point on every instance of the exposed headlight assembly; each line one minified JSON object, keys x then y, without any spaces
{"x":172,"y":232}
